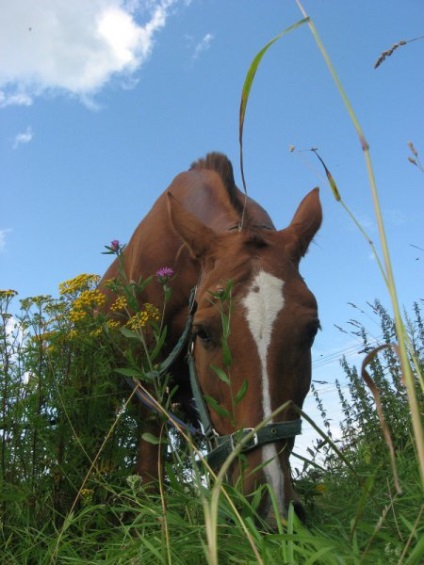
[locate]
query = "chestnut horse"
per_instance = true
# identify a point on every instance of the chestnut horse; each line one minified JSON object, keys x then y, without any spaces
{"x":209,"y":233}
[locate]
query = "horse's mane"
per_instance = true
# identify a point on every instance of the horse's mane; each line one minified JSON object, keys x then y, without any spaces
{"x":222,"y":165}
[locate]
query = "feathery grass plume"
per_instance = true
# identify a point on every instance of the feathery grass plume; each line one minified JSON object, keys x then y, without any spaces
{"x":388,"y":53}
{"x":415,"y":160}
{"x":392,"y":49}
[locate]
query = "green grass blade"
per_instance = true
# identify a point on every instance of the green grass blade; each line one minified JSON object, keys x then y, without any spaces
{"x":248,"y":86}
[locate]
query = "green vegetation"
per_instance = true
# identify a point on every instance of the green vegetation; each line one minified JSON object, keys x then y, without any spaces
{"x":67,"y":445}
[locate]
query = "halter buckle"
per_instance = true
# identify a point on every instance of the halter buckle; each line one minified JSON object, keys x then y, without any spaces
{"x":237,"y":437}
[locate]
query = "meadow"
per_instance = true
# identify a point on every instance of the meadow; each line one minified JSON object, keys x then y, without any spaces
{"x":68,"y":437}
{"x":68,"y":442}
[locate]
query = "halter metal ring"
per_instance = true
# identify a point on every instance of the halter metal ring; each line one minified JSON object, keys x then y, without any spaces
{"x":237,"y":437}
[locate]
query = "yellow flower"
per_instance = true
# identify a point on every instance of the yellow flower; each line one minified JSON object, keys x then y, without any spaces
{"x":140,"y":319}
{"x":113,"y":324}
{"x":320,"y":487}
{"x":119,"y":304}
{"x":72,"y":334}
{"x":46,"y":336}
{"x":97,"y":332}
{"x":78,"y":284}
{"x":85,"y":305}
{"x":8,"y":293}
{"x":153,"y":312}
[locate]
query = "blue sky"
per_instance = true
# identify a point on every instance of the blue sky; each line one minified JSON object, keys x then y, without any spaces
{"x":102,"y":103}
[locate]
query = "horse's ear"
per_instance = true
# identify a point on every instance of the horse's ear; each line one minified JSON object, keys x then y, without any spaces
{"x":305,"y":223}
{"x":198,"y":237}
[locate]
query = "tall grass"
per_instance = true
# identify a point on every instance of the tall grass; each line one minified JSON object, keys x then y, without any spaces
{"x":68,"y":442}
{"x":68,"y":439}
{"x":403,"y":346}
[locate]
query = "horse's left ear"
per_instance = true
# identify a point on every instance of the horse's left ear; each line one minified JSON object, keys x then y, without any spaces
{"x":305,"y":223}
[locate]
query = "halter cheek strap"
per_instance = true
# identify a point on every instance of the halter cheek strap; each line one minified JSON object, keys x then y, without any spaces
{"x":270,"y":433}
{"x":220,"y":447}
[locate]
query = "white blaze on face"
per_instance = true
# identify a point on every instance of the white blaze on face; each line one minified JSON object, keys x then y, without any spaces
{"x":263,"y":303}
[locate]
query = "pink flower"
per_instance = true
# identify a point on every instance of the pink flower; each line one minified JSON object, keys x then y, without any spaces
{"x":115,"y":248}
{"x":164,"y":274}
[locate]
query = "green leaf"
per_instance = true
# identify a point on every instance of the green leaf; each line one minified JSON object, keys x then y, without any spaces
{"x":224,"y":296}
{"x":417,"y":553}
{"x":141,"y":284}
{"x":220,"y":410}
{"x":221,"y":374}
{"x":128,"y":372}
{"x":248,"y":85}
{"x":129,"y":333}
{"x":150,"y":438}
{"x":158,"y":346}
{"x":226,"y":353}
{"x":225,"y":323}
{"x":241,"y":392}
{"x":330,"y":179}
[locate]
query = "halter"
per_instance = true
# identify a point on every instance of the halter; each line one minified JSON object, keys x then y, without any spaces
{"x":220,"y":446}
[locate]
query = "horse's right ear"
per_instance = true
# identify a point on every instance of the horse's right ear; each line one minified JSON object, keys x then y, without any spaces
{"x":305,"y":223}
{"x":199,"y":238}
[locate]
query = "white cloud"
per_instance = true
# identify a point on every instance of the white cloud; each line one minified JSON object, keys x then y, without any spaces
{"x":73,"y":47}
{"x":203,"y":45}
{"x":14,"y":99}
{"x":22,"y":138}
{"x":3,"y":233}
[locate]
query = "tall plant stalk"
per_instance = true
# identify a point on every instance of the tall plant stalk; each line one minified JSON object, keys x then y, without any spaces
{"x":386,"y":265}
{"x":388,"y":274}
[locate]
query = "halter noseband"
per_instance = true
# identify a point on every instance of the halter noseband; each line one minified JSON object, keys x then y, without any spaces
{"x":220,"y":447}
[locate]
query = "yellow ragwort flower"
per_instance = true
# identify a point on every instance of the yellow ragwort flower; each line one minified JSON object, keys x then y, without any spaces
{"x":86,"y":304}
{"x":113,"y":324}
{"x":78,"y":284}
{"x":153,"y":312}
{"x":119,"y":304}
{"x":9,"y":293}
{"x":140,"y":319}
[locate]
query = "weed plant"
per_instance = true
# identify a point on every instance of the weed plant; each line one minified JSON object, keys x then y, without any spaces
{"x":365,"y":505}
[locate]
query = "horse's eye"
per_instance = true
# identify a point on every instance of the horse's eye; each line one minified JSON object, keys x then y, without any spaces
{"x":202,"y":333}
{"x":311,"y":332}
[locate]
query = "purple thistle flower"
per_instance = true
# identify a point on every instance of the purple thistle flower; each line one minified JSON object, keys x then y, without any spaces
{"x":164,"y":274}
{"x":115,"y":248}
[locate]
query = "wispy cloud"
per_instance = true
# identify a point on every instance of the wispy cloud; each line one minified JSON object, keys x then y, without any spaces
{"x":14,"y":99}
{"x":202,"y":46}
{"x":22,"y":138}
{"x":74,"y":47}
{"x":3,"y":234}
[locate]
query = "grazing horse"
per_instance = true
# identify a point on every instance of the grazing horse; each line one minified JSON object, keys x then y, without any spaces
{"x":210,"y":233}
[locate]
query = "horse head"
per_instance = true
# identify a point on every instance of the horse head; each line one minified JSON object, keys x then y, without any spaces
{"x":252,"y":340}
